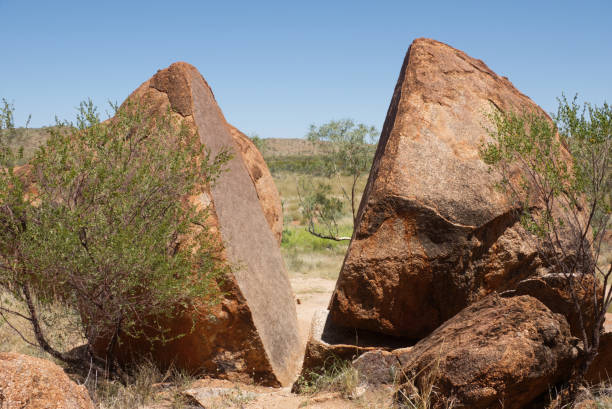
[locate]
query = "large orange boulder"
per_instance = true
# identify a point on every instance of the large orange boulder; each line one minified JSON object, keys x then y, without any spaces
{"x":433,"y":234}
{"x":253,"y":332}
{"x":33,"y":383}
{"x":496,"y":353}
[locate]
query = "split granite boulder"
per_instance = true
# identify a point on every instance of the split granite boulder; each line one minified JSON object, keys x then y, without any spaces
{"x":433,"y":234}
{"x":253,"y":332}
{"x":34,"y":383}
{"x":262,"y":179}
{"x":496,"y":353}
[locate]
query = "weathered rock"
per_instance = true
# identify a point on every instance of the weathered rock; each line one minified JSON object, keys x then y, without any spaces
{"x":33,"y":383}
{"x":380,"y":366}
{"x":553,"y":290}
{"x":601,"y":368}
{"x":433,"y":233}
{"x":263,"y":181}
{"x":253,"y":332}
{"x":329,"y":343}
{"x":496,"y":353}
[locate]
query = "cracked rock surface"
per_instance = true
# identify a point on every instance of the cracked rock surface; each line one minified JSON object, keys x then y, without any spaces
{"x":433,"y":234}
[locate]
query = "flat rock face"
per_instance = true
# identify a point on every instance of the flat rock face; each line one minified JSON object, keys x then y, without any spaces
{"x":33,"y":383}
{"x":263,"y":181}
{"x":496,"y":353}
{"x":433,"y":233}
{"x":253,"y":332}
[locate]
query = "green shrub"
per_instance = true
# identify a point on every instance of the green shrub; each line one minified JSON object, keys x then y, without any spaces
{"x":102,"y":229}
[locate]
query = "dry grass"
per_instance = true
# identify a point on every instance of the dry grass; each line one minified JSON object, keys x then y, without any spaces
{"x":61,"y":326}
{"x":338,"y":376}
{"x":305,"y":254}
{"x":148,"y":387}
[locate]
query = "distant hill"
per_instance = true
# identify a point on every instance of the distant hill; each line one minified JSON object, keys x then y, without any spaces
{"x":27,"y":138}
{"x":32,"y":138}
{"x":278,"y":147}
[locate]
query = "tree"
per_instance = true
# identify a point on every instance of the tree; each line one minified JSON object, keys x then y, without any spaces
{"x":563,"y":197}
{"x":258,"y":141}
{"x":349,"y":149}
{"x":99,"y":224}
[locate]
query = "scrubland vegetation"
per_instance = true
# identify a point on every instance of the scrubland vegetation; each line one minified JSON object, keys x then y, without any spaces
{"x":309,"y":250}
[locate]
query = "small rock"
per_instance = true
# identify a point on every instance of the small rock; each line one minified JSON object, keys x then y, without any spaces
{"x":381,"y":367}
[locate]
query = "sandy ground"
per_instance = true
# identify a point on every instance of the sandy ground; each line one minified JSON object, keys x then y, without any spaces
{"x":311,"y":294}
{"x":217,"y":394}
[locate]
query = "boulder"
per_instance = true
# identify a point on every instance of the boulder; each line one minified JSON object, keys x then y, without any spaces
{"x":553,"y":290}
{"x":496,"y":353}
{"x":380,"y":366}
{"x":601,"y":367}
{"x":253,"y":332}
{"x":34,"y":383}
{"x":263,"y":181}
{"x":433,"y":234}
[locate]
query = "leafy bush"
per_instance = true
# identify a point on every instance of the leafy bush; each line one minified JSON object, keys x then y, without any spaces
{"x":563,"y":197}
{"x":99,"y":222}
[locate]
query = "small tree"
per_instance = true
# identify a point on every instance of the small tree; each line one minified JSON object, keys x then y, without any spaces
{"x":564,"y":197}
{"x":259,"y":142}
{"x":349,"y":150}
{"x":102,"y":231}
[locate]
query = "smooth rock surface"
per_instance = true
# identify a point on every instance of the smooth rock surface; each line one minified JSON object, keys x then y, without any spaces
{"x":253,"y":332}
{"x":496,"y":353}
{"x":433,"y":234}
{"x":263,"y":181}
{"x":33,"y":383}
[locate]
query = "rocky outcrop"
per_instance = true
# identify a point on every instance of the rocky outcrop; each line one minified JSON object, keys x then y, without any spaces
{"x":262,"y":179}
{"x":33,"y":383}
{"x":433,"y":234}
{"x":496,"y":353}
{"x":253,"y":332}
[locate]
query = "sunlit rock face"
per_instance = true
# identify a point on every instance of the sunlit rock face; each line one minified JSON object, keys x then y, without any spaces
{"x":253,"y":332}
{"x":433,"y":233}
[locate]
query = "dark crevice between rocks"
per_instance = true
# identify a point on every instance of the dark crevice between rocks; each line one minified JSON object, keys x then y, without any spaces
{"x":335,"y":334}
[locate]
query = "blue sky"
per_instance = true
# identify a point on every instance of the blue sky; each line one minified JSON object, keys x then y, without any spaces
{"x":276,"y":67}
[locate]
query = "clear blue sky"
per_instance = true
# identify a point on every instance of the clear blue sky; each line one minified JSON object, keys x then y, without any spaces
{"x":276,"y":67}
